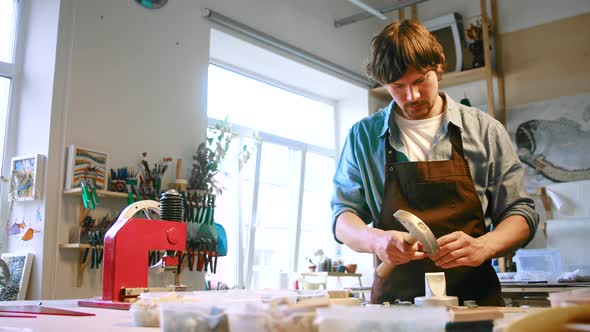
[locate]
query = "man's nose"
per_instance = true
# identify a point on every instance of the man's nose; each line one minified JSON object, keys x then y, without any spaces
{"x":413,"y":93}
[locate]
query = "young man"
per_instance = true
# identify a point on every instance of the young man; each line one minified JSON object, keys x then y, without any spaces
{"x":452,"y":166}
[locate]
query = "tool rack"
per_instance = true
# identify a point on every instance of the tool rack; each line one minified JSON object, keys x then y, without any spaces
{"x":81,"y":265}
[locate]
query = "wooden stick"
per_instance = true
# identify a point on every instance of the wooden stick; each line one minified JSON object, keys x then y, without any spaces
{"x":487,"y":58}
{"x":179,"y":168}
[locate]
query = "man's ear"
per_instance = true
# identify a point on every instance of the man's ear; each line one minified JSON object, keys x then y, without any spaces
{"x":439,"y":73}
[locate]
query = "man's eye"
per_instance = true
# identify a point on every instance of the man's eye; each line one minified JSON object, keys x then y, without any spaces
{"x":398,"y":87}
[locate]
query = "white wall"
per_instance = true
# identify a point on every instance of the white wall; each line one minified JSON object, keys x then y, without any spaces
{"x":29,"y":127}
{"x":129,"y":80}
{"x":136,"y":83}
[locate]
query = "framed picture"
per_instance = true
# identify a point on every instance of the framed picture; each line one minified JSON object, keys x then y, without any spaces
{"x":15,"y":270}
{"x":27,"y":172}
{"x":86,"y":164}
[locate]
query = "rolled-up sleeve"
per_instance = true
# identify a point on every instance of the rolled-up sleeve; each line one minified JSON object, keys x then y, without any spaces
{"x":506,"y":190}
{"x":349,"y":192}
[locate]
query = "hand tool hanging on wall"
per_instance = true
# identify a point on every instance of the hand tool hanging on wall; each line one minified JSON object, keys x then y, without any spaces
{"x":95,"y":239}
{"x":93,"y":194}
{"x":86,"y":200}
{"x":132,"y":194}
{"x":202,"y":232}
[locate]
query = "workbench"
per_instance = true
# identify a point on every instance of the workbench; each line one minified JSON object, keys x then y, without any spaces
{"x":121,"y":320}
{"x":105,"y":319}
{"x":518,"y":294}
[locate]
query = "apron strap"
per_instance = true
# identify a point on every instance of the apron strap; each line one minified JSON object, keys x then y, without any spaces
{"x":456,"y":142}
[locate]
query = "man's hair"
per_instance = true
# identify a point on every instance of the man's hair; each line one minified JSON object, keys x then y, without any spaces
{"x":402,"y":45}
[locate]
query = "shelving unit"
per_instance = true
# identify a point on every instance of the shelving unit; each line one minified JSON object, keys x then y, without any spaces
{"x":82,"y":247}
{"x":101,"y":193}
{"x":487,"y":72}
{"x":77,"y":246}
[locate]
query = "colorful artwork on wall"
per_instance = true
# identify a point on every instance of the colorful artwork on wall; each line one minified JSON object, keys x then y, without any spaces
{"x":15,"y":270}
{"x":22,"y":230}
{"x":27,"y":174}
{"x":86,"y":165}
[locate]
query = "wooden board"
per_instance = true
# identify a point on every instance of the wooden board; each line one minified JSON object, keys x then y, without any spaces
{"x":464,"y":314}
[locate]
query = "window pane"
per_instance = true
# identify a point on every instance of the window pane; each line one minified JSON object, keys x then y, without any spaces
{"x":264,"y":107}
{"x":7,"y":29}
{"x":234,"y":203}
{"x":4,"y":93}
{"x":277,"y":206}
{"x":316,"y":231}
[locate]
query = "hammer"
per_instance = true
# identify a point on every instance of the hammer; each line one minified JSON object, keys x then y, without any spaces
{"x":417,"y":231}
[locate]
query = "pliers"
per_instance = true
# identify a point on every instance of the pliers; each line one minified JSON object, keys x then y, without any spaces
{"x":86,"y":200}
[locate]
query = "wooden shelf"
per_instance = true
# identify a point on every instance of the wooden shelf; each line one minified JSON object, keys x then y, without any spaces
{"x":456,"y":78}
{"x":76,"y":246}
{"x":82,"y":248}
{"x":101,"y":193}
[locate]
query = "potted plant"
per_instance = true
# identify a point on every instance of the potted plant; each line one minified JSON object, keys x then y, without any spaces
{"x":203,"y":187}
{"x":210,"y":155}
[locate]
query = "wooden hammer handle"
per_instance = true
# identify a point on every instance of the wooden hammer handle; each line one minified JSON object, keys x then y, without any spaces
{"x":384,"y":269}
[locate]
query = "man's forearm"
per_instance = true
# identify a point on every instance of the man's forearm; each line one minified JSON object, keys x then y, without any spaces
{"x":508,"y":236}
{"x":353,"y":232}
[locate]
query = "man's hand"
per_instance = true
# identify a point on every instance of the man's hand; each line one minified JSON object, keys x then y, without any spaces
{"x":392,"y":249}
{"x":460,"y":249}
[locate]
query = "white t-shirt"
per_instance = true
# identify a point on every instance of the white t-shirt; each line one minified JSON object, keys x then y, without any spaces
{"x":418,"y":135}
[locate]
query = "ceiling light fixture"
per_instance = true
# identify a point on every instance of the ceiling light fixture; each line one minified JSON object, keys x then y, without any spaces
{"x":369,"y":9}
{"x":365,"y":15}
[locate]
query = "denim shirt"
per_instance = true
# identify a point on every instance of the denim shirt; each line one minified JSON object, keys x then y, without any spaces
{"x":495,"y":168}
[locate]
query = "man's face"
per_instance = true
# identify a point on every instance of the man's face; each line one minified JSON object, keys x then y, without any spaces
{"x":416,"y":94}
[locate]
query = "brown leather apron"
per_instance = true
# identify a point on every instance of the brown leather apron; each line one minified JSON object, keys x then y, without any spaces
{"x":443,"y":195}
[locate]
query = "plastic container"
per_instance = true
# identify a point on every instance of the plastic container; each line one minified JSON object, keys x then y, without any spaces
{"x":537,"y":264}
{"x":146,"y":311}
{"x":270,"y":321}
{"x":189,"y":317}
{"x":252,"y":306}
{"x":146,"y":314}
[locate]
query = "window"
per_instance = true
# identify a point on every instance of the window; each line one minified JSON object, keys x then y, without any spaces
{"x":276,"y":210}
{"x":8,"y":32}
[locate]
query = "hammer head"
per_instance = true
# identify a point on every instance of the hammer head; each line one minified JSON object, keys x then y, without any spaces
{"x":418,"y":229}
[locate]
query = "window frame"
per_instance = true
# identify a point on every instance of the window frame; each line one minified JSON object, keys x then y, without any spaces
{"x":245,"y":260}
{"x":12,"y":72}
